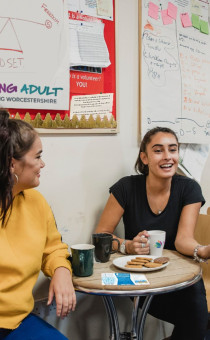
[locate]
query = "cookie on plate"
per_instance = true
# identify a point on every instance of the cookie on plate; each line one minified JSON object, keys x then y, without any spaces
{"x":144,"y":259}
{"x":139,"y":261}
{"x":136,"y":263}
{"x":133,"y":266}
{"x":152,"y":265}
{"x":162,"y":259}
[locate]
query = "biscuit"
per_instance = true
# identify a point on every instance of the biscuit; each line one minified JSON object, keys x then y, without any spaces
{"x":135,"y":262}
{"x":146,"y":259}
{"x":139,"y":261}
{"x":133,"y":266}
{"x":152,"y":265}
{"x":161,"y":260}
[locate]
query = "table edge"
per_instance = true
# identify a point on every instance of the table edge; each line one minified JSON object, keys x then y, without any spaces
{"x":147,"y":291}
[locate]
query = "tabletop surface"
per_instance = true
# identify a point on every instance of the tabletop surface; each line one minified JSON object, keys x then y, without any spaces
{"x":180,"y":269}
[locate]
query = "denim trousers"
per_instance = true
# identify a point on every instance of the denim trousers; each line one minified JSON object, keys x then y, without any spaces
{"x":186,"y":309}
{"x":32,"y":328}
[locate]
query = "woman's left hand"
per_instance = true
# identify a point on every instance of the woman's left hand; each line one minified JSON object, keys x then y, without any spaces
{"x":62,"y":287}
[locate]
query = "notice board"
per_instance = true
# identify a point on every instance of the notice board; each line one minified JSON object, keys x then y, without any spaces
{"x":174,"y":45}
{"x":64,"y":79}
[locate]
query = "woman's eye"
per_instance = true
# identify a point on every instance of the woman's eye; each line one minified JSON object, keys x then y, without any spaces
{"x":158,"y":150}
{"x":173,"y":150}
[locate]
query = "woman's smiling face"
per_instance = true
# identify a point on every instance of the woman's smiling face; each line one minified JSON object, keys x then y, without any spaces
{"x":28,"y":168}
{"x":162,"y":155}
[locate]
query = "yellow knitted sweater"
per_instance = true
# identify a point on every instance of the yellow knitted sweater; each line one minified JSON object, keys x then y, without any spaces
{"x":29,"y":242}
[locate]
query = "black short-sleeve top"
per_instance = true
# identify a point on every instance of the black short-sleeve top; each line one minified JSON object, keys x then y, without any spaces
{"x":130,"y":192}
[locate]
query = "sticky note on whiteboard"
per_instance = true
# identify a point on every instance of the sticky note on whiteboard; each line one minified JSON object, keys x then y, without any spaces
{"x":204,"y":27}
{"x":153,"y":10}
{"x":195,"y":21}
{"x":185,"y":19}
{"x":172,"y":11}
{"x":167,"y":20}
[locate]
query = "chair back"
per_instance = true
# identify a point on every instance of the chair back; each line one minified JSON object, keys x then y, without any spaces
{"x":202,"y":235}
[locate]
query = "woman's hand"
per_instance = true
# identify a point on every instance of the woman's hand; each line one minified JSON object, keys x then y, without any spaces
{"x":62,"y":287}
{"x":139,"y":245}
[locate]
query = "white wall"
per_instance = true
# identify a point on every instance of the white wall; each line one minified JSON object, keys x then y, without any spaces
{"x":79,"y":170}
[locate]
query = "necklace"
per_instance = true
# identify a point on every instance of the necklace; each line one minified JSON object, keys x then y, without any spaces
{"x":157,"y":198}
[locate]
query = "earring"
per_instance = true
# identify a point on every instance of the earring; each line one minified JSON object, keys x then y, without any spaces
{"x":16,"y":177}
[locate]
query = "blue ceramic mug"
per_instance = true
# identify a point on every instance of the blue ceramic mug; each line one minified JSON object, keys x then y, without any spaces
{"x":82,"y":259}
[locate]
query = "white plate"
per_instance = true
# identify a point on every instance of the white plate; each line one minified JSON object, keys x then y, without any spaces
{"x":120,"y":262}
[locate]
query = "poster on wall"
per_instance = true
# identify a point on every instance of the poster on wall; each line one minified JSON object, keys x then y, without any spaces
{"x":68,"y":75}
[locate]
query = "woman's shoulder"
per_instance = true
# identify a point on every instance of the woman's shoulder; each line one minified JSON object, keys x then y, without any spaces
{"x":188,"y":189}
{"x":187,"y":186}
{"x":131,"y":180}
{"x":33,"y":195}
{"x":183,"y":180}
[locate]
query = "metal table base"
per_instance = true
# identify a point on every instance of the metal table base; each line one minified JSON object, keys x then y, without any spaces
{"x":137,"y":328}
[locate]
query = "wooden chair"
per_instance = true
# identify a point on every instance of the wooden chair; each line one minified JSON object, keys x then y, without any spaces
{"x":202,"y":235}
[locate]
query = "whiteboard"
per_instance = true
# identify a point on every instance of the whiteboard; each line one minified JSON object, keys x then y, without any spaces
{"x":175,"y":72}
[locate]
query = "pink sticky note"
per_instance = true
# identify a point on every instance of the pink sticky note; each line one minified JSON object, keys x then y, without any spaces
{"x":185,"y":19}
{"x":153,"y":10}
{"x":172,"y":10}
{"x":165,"y":18}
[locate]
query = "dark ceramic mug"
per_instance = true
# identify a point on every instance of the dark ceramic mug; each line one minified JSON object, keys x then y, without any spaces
{"x":103,"y":246}
{"x":82,"y":259}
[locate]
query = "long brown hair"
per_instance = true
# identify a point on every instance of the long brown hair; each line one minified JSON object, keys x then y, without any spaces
{"x":16,"y":138}
{"x":140,"y":167}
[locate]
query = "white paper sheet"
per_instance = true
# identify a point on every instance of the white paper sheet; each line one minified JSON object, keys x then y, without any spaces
{"x":73,"y":5}
{"x":105,"y":8}
{"x":97,"y":8}
{"x":87,"y":45}
{"x":99,"y":104}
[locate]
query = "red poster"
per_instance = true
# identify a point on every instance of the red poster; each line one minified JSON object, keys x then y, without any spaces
{"x":83,"y":80}
{"x":86,"y":83}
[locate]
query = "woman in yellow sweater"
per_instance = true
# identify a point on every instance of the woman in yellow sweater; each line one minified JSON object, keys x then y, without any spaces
{"x":29,"y":239}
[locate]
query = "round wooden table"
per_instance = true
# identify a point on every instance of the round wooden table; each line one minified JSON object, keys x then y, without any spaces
{"x":181,"y":272}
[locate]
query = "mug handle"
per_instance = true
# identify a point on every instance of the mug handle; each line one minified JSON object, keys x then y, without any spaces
{"x":115,"y":251}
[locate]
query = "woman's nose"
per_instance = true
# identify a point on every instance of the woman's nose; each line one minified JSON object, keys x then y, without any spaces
{"x":167,"y":155}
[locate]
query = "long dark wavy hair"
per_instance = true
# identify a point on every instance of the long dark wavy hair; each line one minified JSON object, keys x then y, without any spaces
{"x":16,"y":138}
{"x":140,"y":167}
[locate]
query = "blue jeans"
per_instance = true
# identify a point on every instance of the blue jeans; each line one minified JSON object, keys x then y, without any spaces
{"x":32,"y":328}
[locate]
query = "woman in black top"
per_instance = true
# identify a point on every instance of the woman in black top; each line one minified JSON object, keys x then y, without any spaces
{"x":158,"y":198}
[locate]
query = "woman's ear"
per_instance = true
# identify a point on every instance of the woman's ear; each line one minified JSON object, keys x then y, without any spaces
{"x":12,"y":166}
{"x":144,"y":158}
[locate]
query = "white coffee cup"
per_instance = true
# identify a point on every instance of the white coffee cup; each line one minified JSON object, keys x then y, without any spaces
{"x":157,"y":242}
